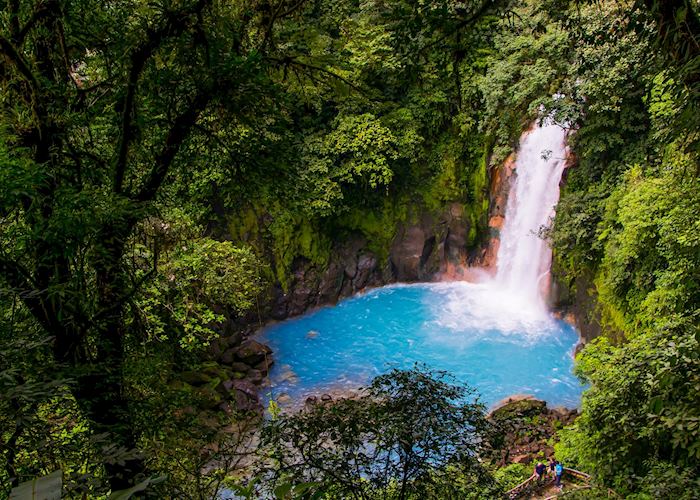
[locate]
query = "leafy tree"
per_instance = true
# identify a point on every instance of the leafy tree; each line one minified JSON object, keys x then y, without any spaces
{"x":641,"y":408}
{"x":411,"y":434}
{"x":197,"y":279}
{"x":99,"y":108}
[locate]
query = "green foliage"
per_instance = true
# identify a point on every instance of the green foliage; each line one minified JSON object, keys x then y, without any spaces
{"x":410,"y":434}
{"x":199,"y":276}
{"x":358,"y":150}
{"x":642,"y":406}
{"x":652,"y":253}
{"x":511,"y":475}
{"x":529,"y":59}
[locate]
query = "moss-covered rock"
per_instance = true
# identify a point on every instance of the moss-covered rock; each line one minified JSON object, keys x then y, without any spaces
{"x":526,"y":430}
{"x":195,"y":378}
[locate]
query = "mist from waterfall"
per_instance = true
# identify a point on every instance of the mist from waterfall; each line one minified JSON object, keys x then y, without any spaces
{"x":524,"y":258}
{"x":492,"y":331}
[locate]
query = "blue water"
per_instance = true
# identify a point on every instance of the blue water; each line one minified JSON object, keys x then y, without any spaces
{"x":484,"y":337}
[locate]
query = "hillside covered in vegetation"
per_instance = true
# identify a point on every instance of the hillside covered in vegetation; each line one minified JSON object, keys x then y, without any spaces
{"x":175,"y":173}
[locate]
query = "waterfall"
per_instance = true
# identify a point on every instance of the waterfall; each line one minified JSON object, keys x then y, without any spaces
{"x":524,"y":258}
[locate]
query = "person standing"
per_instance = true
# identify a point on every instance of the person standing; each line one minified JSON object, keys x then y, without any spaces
{"x":558,"y":471}
{"x":540,"y":469}
{"x":552,"y":464}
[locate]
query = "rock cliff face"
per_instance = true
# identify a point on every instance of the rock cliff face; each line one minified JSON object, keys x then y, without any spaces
{"x":419,"y":251}
{"x":577,"y":302}
{"x":501,"y":179}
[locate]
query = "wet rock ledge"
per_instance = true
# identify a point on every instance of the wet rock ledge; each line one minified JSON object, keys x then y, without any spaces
{"x":525,"y":427}
{"x":230,"y":382}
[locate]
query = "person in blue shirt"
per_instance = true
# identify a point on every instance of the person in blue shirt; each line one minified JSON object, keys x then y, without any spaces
{"x":558,"y":471}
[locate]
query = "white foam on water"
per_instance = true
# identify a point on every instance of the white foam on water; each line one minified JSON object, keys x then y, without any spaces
{"x":469,"y":312}
{"x":513,"y":301}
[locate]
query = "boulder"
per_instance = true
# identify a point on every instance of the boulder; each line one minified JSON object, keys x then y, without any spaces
{"x":330,"y":285}
{"x":255,"y":376}
{"x":406,"y":252}
{"x":252,"y":352}
{"x":366,"y":265}
{"x":228,"y":356}
{"x":246,"y":396}
{"x":237,"y":366}
{"x":246,"y":387}
{"x":228,"y":385}
{"x":215,"y":371}
{"x":244,"y":402}
{"x":195,"y":378}
{"x":264,"y":365}
{"x":209,"y":397}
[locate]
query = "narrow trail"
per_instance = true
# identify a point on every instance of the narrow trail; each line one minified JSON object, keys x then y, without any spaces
{"x":572,"y":480}
{"x":531,"y":489}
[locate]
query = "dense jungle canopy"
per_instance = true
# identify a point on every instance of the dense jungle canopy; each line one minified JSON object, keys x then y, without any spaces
{"x":166,"y":165}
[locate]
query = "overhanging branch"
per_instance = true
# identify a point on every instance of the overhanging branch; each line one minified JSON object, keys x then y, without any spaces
{"x":176,"y":136}
{"x":175,"y":25}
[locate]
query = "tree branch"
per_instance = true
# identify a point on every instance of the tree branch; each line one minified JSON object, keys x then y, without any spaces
{"x":14,"y":18}
{"x":279,"y":15}
{"x":44,"y":11}
{"x":176,"y":137}
{"x":22,"y":67}
{"x":462,"y":24}
{"x":288,"y":61}
{"x":123,"y":299}
{"x":175,"y":25}
{"x":13,"y":57}
{"x":22,"y":283}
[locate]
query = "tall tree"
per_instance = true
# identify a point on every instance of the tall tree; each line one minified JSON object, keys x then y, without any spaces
{"x":100,"y":105}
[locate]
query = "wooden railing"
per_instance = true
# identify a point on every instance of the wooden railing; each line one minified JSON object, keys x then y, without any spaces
{"x":532,"y":483}
{"x":526,"y":485}
{"x":577,"y":474}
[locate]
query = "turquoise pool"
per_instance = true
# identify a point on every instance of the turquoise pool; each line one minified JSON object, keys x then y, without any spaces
{"x":483,"y":336}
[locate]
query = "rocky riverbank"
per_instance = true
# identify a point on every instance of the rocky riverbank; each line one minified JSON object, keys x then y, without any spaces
{"x":525,"y":427}
{"x":231,"y":382}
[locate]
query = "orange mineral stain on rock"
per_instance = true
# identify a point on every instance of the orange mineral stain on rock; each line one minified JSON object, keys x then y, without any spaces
{"x":496,"y":222}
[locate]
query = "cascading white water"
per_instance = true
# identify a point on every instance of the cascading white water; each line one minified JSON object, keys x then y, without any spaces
{"x":524,"y":258}
{"x":494,"y":333}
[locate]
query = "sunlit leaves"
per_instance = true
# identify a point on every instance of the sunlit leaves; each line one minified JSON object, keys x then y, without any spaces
{"x":198,"y":281}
